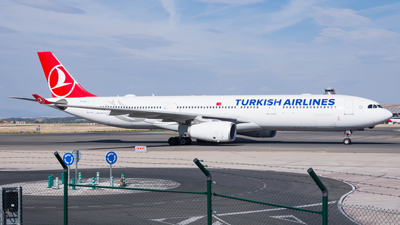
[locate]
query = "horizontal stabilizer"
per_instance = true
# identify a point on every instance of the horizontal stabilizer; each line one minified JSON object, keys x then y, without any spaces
{"x":42,"y":100}
{"x":20,"y":98}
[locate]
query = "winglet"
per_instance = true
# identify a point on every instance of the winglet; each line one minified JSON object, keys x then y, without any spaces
{"x":42,"y":100}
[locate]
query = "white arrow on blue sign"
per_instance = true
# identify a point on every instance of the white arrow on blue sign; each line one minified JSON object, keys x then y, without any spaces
{"x":111,"y":157}
{"x":68,"y":158}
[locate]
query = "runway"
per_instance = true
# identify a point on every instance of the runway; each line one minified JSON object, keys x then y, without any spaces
{"x":382,"y":140}
{"x":250,"y":165}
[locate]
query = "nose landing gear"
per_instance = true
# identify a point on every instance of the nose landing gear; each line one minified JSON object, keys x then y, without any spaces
{"x":347,"y":134}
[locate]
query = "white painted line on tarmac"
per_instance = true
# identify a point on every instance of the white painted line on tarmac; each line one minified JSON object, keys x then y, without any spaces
{"x":219,"y":221}
{"x":184,"y":222}
{"x":289,"y":218}
{"x":270,"y":210}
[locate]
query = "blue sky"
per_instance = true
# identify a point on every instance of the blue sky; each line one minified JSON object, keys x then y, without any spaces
{"x":201,"y":47}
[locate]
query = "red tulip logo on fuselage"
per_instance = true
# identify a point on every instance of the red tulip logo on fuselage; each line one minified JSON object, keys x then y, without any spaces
{"x":60,"y":82}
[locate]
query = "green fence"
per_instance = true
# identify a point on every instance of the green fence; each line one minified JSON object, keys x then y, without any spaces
{"x":183,"y":196}
{"x":208,"y":193}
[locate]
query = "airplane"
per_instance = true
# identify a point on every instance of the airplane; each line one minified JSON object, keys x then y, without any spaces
{"x":394,"y":120}
{"x":210,"y":118}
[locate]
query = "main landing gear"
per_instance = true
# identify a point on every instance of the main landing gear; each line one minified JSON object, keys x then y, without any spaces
{"x":179,"y":141}
{"x":347,"y":134}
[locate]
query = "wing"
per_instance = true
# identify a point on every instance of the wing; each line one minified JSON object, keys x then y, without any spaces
{"x":166,"y":116}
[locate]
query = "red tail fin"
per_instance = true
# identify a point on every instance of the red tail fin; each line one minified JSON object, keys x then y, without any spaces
{"x":60,"y":82}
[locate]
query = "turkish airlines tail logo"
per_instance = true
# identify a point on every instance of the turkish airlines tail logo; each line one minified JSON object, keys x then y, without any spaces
{"x":61,"y":83}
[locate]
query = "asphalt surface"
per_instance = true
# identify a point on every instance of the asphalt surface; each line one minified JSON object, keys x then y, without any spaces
{"x":174,"y":208}
{"x":291,"y":189}
{"x":383,"y":140}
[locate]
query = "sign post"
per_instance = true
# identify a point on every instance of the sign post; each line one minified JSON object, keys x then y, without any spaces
{"x":111,"y":158}
{"x":68,"y":159}
{"x":77,"y":155}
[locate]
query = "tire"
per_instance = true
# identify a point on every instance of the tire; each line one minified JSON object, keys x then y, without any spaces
{"x":183,"y":141}
{"x":172,"y":141}
{"x":347,"y":141}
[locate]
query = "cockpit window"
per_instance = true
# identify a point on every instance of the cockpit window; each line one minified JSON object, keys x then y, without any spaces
{"x":372,"y":106}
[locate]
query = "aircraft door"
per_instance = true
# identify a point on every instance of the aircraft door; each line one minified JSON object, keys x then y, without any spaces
{"x":348,"y":107}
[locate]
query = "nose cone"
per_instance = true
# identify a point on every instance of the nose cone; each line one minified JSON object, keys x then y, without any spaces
{"x":386,"y":114}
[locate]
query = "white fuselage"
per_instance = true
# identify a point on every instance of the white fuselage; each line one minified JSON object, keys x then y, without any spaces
{"x":261,"y":112}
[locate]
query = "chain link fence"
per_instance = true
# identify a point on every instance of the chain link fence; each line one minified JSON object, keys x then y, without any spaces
{"x":42,"y":204}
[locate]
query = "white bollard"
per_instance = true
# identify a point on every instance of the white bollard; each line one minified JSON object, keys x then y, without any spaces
{"x":57,"y":183}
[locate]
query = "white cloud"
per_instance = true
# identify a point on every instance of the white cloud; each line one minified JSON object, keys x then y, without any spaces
{"x":369,"y":34}
{"x":290,"y":15}
{"x":369,"y":57}
{"x":170,"y":7}
{"x":212,"y":30}
{"x":338,"y":17}
{"x":232,"y":2}
{"x":50,"y":6}
{"x":382,"y":8}
{"x":5,"y":30}
{"x":142,"y":41}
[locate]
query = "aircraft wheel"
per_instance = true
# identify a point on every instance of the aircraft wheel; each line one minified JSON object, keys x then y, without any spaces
{"x":173,"y":141}
{"x":185,"y":141}
{"x":347,"y":141}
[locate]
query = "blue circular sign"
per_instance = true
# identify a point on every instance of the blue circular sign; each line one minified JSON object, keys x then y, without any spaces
{"x":111,"y":157}
{"x":68,"y":158}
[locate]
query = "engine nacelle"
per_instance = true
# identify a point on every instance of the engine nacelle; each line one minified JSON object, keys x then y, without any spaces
{"x":213,"y":131}
{"x":260,"y":134}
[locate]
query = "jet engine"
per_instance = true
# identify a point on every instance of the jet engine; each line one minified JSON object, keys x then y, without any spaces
{"x":260,"y":134}
{"x":213,"y":131}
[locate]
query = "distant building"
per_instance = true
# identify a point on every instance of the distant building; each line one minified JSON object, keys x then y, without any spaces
{"x":20,"y":122}
{"x":394,"y":108}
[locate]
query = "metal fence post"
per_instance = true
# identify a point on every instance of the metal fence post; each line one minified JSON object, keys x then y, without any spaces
{"x":209,"y":202}
{"x":324,"y":195}
{"x":65,"y":186}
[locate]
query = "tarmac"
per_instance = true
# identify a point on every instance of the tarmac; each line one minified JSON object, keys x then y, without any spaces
{"x":371,"y":164}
